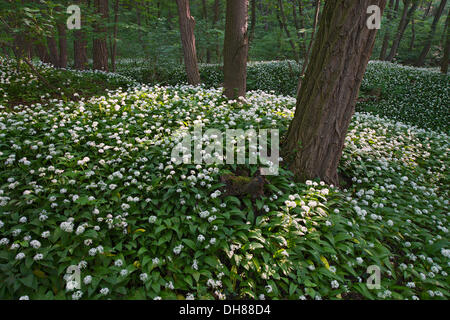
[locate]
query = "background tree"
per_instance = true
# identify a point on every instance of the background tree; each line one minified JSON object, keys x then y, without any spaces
{"x":187,"y":24}
{"x":406,"y":18}
{"x":427,"y":46}
{"x":327,"y":97}
{"x":99,"y":47}
{"x":444,"y":62}
{"x":236,"y":49}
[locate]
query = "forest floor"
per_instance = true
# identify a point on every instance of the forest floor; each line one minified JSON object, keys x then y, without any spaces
{"x":87,"y":180}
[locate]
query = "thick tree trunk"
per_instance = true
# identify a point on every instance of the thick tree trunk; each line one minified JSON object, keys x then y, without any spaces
{"x":99,"y":45}
{"x":406,"y":18}
{"x":387,"y":34}
{"x":444,"y":62}
{"x":235,"y":49}
{"x":426,"y":48}
{"x":187,"y":24}
{"x":327,"y":98}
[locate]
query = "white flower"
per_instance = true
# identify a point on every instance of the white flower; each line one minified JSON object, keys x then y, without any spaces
{"x":334,"y":284}
{"x":87,"y":280}
{"x":20,"y":256}
{"x":143,"y":276}
{"x":104,"y":291}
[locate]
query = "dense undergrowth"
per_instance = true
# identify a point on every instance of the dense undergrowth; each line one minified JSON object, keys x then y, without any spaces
{"x":91,"y":183}
{"x":417,"y":96}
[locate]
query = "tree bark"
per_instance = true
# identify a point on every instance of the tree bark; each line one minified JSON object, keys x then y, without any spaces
{"x":53,"y":50}
{"x":387,"y":34}
{"x":99,"y":48}
{"x":114,"y":40}
{"x":426,"y":48}
{"x":235,"y":49}
{"x":444,"y":62}
{"x":187,"y":24}
{"x":327,"y":98}
{"x":80,"y":46}
{"x":62,"y":45}
{"x":406,"y":18}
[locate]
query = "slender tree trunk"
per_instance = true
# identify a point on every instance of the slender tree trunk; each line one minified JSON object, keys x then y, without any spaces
{"x":62,"y":45}
{"x":139,"y":33}
{"x":306,"y":60}
{"x":99,"y":47}
{"x":444,"y":62}
{"x":426,"y":48}
{"x":253,"y":21}
{"x":42,"y":53}
{"x":299,"y":24}
{"x":114,"y":40}
{"x":53,"y":50}
{"x":427,"y":11}
{"x":283,"y":25}
{"x":215,"y":22}
{"x":235,"y":49}
{"x":187,"y":24}
{"x":406,"y":18}
{"x":205,"y":17}
{"x":326,"y":102}
{"x":387,"y":34}
{"x":413,"y":34}
{"x":80,"y":46}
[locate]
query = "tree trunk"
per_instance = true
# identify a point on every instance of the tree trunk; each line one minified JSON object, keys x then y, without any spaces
{"x":114,"y":40}
{"x":299,"y":24}
{"x":187,"y":24}
{"x":205,"y":17}
{"x":235,"y":49}
{"x":444,"y":62}
{"x":426,"y":48}
{"x":80,"y":46}
{"x":62,"y":45}
{"x":99,"y":47}
{"x":406,"y":18}
{"x":253,"y":21}
{"x":327,"y":97}
{"x":413,"y":34}
{"x":387,"y":34}
{"x":283,"y":25}
{"x":306,"y":60}
{"x":215,"y":22}
{"x":53,"y":50}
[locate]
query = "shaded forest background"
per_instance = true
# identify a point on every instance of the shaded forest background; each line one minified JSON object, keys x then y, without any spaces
{"x":413,"y":32}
